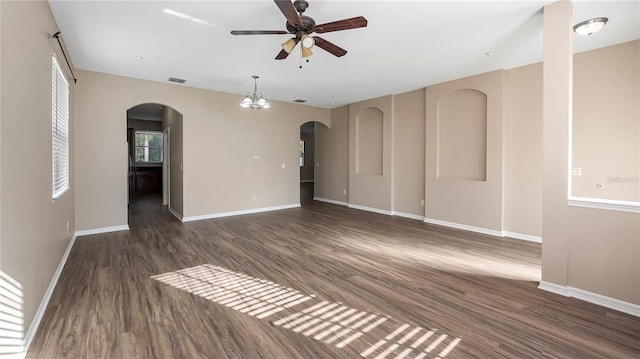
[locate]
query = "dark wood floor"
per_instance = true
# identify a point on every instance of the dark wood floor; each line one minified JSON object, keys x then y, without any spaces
{"x":321,"y":281}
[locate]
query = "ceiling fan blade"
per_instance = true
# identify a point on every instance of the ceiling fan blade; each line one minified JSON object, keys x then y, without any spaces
{"x":282,"y":55}
{"x":339,"y":25}
{"x":329,"y":46}
{"x":289,"y":11}
{"x":258,"y":32}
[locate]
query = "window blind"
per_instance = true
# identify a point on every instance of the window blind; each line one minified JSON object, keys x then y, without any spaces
{"x":59,"y":130}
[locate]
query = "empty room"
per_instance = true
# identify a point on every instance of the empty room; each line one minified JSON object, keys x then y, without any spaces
{"x":320,"y":179}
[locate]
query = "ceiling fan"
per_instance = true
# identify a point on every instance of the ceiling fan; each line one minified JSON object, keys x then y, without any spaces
{"x":303,"y":26}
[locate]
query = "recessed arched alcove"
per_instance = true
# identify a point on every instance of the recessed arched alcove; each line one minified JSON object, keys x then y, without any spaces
{"x":369,"y":142}
{"x":462,"y":136}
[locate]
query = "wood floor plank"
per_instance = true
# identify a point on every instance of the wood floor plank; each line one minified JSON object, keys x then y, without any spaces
{"x":320,"y":281}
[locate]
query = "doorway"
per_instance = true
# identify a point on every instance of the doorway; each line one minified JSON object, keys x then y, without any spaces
{"x":306,"y":161}
{"x":154,"y":151}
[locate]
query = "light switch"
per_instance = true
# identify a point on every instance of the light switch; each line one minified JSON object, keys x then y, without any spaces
{"x":577,"y":171}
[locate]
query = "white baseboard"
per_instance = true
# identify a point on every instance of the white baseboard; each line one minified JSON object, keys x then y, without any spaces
{"x":407,"y":215}
{"x":238,"y":213}
{"x":369,"y":209}
{"x":524,"y":237}
{"x":599,"y":299}
{"x":491,"y":232}
{"x":102,"y":230}
{"x":554,"y":288}
{"x":333,"y":201}
{"x":35,"y":323}
{"x":175,"y":213}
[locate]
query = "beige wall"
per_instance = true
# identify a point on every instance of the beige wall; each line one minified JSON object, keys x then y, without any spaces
{"x":606,"y":123}
{"x":221,"y":141}
{"x":172,"y":119}
{"x":471,"y":203}
{"x":409,"y":152}
{"x":523,"y":150}
{"x":365,"y":189}
{"x":34,"y":231}
{"x":604,"y":253}
{"x":331,"y":154}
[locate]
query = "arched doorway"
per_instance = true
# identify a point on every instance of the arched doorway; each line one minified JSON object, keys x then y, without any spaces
{"x":154,"y":143}
{"x":307,"y":161}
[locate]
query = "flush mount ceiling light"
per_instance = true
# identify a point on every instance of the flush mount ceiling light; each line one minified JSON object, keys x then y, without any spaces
{"x":255,"y":101}
{"x":591,"y":26}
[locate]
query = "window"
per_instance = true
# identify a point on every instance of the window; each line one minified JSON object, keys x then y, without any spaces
{"x":148,"y":147}
{"x":301,"y":158}
{"x":59,"y":131}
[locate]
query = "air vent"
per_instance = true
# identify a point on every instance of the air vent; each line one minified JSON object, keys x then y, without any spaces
{"x":300,"y":100}
{"x":175,"y":79}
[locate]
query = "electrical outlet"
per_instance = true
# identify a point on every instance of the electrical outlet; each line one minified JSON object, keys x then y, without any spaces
{"x":577,"y":171}
{"x":283,"y":165}
{"x":253,"y":197}
{"x":318,"y":164}
{"x":344,"y":191}
{"x":67,"y":226}
{"x":422,"y":203}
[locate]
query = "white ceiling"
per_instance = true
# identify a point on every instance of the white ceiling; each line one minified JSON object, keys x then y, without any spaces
{"x":407,"y":44}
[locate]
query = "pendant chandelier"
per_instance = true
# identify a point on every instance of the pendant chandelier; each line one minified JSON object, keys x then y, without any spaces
{"x":253,"y":100}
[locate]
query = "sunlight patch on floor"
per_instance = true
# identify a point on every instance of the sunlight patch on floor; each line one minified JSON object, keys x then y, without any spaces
{"x":454,"y":260}
{"x":11,"y":316}
{"x":372,"y":335}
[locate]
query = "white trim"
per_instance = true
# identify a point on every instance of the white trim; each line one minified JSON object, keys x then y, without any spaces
{"x":370,"y":209}
{"x":608,"y":302}
{"x":37,"y":318}
{"x":176,"y":214}
{"x":340,"y":203}
{"x":491,"y":232}
{"x":87,"y":232}
{"x":407,"y":215}
{"x":307,"y":181}
{"x":554,"y":288}
{"x":595,"y":298}
{"x":524,"y":237}
{"x":238,"y":213}
{"x":605,"y":204}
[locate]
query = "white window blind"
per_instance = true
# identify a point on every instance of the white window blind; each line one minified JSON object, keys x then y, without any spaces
{"x":59,"y":130}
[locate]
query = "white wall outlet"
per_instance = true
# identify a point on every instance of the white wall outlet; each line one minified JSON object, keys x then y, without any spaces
{"x":67,"y":226}
{"x":318,"y":164}
{"x":577,"y":171}
{"x":422,"y":203}
{"x":344,"y":191}
{"x":256,"y":157}
{"x":283,"y":165}
{"x":253,"y":197}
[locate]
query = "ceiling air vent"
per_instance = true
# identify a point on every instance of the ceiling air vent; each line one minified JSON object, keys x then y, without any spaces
{"x":175,"y":79}
{"x":300,"y":100}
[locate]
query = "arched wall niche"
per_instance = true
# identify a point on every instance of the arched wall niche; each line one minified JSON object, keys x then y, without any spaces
{"x":462,"y":136}
{"x":370,"y":142}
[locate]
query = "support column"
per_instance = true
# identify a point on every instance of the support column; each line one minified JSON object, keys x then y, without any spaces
{"x":556,"y":120}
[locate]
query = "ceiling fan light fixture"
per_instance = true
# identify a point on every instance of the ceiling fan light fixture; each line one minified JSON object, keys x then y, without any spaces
{"x":306,"y":52}
{"x":253,"y":100}
{"x":591,"y":26}
{"x":289,"y":45}
{"x":307,"y":41}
